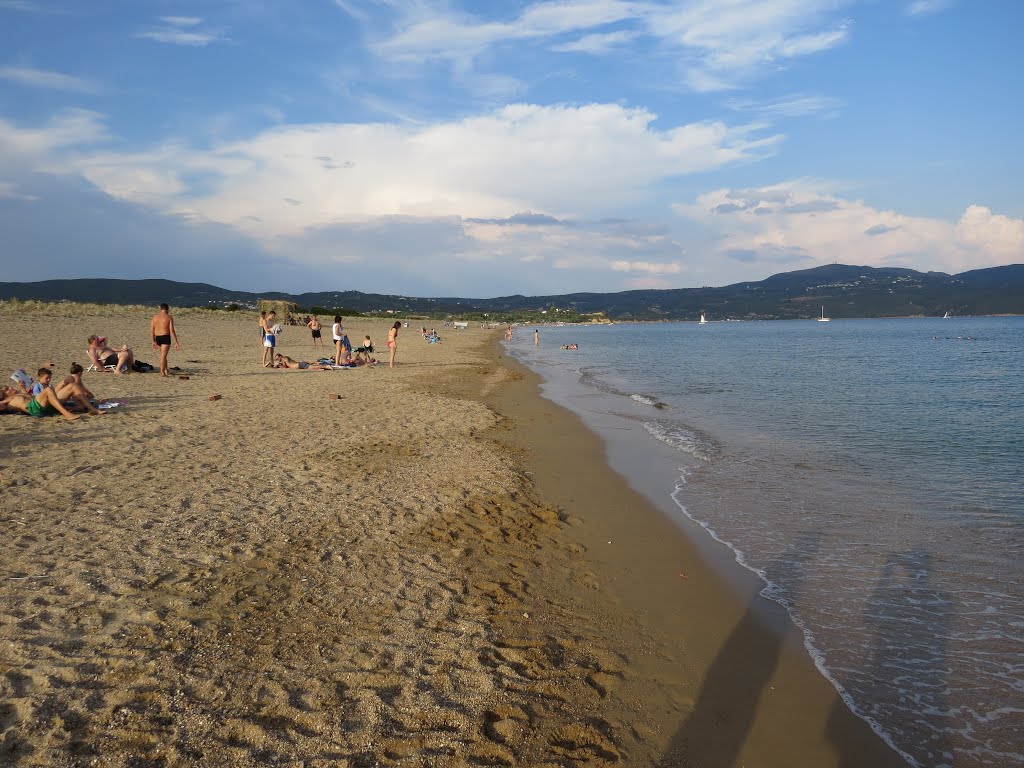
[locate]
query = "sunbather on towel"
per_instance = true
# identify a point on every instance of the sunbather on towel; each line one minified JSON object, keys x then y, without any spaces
{"x":283,"y":361}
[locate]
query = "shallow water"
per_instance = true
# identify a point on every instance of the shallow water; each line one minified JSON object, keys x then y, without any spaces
{"x":869,"y":471}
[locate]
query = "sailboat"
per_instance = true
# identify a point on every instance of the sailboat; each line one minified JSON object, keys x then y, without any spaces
{"x":946,"y":316}
{"x":823,"y":319}
{"x":703,"y":320}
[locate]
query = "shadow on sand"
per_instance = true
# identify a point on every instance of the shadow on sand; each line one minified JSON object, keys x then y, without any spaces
{"x":716,"y":729}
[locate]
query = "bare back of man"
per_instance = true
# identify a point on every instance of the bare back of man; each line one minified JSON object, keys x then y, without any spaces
{"x":161,"y":328}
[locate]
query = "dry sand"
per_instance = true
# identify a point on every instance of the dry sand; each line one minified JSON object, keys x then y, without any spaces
{"x":414,"y":574}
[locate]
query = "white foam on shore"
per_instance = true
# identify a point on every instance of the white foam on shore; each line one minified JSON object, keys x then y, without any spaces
{"x":772,"y":591}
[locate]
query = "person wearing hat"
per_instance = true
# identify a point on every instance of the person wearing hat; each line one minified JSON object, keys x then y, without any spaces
{"x":102,"y":355}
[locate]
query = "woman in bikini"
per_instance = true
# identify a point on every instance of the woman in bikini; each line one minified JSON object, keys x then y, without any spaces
{"x":393,"y":342}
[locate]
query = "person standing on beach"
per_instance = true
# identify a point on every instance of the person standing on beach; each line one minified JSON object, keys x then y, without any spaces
{"x":263,"y":326}
{"x":340,"y":340}
{"x":161,"y":328}
{"x":393,"y":342}
{"x":269,"y":339}
{"x":314,"y":327}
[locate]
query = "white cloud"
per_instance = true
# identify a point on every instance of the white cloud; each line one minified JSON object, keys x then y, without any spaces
{"x":979,"y":231}
{"x":927,"y":7}
{"x":717,"y":43}
{"x":793,"y":105}
{"x":802,"y":223}
{"x":728,"y":42}
{"x":646,"y":267}
{"x":41,"y":78}
{"x":34,"y":146}
{"x":597,"y":44}
{"x":9,"y":191}
{"x":181,"y":30}
{"x":580,"y":161}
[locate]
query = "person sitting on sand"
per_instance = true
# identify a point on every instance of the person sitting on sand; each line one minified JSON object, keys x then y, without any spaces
{"x":71,"y":391}
{"x":73,"y":383}
{"x":47,"y":402}
{"x":101,"y":355}
{"x":283,"y":361}
{"x":365,"y":350}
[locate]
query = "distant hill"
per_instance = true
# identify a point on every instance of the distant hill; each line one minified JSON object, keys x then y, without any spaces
{"x":845,"y":291}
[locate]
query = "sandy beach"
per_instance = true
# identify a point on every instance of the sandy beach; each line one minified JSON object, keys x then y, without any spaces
{"x":425,"y":566}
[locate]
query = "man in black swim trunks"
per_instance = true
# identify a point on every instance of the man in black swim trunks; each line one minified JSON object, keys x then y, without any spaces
{"x":161,"y":328}
{"x":314,"y":326}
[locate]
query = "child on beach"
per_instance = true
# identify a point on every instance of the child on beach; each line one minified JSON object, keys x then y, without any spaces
{"x":47,"y":402}
{"x":365,"y":350}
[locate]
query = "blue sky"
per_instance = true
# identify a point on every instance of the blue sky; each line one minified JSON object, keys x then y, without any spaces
{"x":436,"y":149}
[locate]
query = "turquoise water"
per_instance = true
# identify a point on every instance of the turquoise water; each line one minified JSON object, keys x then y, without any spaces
{"x":870,"y":472}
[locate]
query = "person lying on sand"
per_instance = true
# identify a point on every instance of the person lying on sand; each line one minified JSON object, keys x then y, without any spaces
{"x":102,"y":355}
{"x":46,"y":403}
{"x":283,"y":361}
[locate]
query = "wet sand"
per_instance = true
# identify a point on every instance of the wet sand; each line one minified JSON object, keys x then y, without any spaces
{"x":416,"y":572}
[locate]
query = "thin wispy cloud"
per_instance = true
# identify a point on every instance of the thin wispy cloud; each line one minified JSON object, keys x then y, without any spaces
{"x":927,"y":7}
{"x":597,"y":44}
{"x":791,"y":106}
{"x":41,"y":78}
{"x":181,"y":30}
{"x":718,"y":44}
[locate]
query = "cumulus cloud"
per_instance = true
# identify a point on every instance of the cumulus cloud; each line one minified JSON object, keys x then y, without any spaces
{"x":797,"y":224}
{"x":557,"y":161}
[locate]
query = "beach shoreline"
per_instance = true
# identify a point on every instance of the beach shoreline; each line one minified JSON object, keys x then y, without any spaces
{"x":425,"y":566}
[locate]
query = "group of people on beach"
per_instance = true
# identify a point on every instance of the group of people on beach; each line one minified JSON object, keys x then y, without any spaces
{"x":42,"y":397}
{"x":70,"y":398}
{"x":344,"y":355}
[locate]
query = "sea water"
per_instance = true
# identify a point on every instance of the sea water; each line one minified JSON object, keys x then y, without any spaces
{"x":869,"y":471}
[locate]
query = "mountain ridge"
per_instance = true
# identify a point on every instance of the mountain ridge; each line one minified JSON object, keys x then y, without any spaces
{"x":846,"y":291}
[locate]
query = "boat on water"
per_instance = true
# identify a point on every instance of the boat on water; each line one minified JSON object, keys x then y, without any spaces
{"x":823,"y":319}
{"x":703,"y":320}
{"x":946,"y":316}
